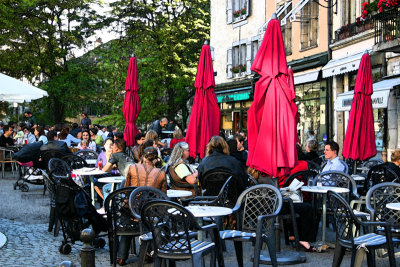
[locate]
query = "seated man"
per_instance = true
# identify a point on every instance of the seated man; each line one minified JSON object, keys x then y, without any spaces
{"x":119,"y":158}
{"x":54,"y":144}
{"x":331,"y":154}
{"x":6,"y":138}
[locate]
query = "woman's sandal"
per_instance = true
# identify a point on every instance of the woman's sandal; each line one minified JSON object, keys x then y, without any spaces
{"x":310,"y":249}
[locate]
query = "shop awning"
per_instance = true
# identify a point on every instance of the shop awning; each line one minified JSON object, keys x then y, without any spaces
{"x":342,"y":65}
{"x":306,"y":76}
{"x":380,"y":96}
{"x":233,"y":95}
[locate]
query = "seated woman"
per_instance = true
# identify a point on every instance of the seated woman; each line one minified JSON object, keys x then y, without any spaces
{"x":307,"y":226}
{"x":96,"y":138}
{"x":90,"y":144}
{"x":218,"y":159}
{"x":311,"y":152}
{"x":150,"y":143}
{"x":179,"y":169}
{"x":40,"y":135}
{"x":177,"y":137}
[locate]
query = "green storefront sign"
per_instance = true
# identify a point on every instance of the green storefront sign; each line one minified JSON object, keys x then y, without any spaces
{"x":233,"y":97}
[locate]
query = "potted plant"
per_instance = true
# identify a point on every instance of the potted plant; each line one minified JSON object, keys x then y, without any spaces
{"x":243,"y":11}
{"x":235,"y":69}
{"x":236,"y":14}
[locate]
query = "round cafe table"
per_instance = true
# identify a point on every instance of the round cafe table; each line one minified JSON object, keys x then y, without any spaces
{"x":111,"y":180}
{"x":324,"y":190}
{"x":393,"y":206}
{"x":172,"y":193}
{"x":208,"y":211}
{"x":89,"y":172}
{"x":358,"y":177}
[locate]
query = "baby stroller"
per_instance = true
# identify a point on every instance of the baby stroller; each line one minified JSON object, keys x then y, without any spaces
{"x":74,"y":209}
{"x":32,"y":163}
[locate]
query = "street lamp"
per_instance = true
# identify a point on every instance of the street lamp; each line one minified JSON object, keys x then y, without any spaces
{"x":15,"y":104}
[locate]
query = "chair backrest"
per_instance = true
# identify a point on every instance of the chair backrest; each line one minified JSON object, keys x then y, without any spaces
{"x":251,"y":181}
{"x":119,"y":215}
{"x":301,"y":176}
{"x":344,"y":217}
{"x":87,"y":154}
{"x":50,"y":154}
{"x":371,"y":163}
{"x":141,"y":196}
{"x":313,"y":166}
{"x":262,"y":199}
{"x":377,"y":198}
{"x":213,"y":181}
{"x":170,"y":224}
{"x":337,"y":179}
{"x":75,"y":162}
{"x":346,"y":167}
{"x":379,"y":174}
{"x":58,"y":169}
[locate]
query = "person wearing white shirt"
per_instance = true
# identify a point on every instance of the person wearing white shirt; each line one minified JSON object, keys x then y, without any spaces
{"x":28,"y":136}
{"x":39,"y":133}
{"x":331,"y":152}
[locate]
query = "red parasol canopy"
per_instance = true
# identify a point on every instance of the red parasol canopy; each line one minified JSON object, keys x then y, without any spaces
{"x":131,"y":107}
{"x":271,"y":121}
{"x":292,"y":103}
{"x":359,"y":142}
{"x":205,"y":115}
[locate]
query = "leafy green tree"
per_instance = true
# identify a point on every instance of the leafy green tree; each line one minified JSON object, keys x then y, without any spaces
{"x":167,"y":37}
{"x":38,"y":38}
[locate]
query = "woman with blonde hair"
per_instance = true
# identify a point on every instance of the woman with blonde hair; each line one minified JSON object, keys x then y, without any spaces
{"x":179,"y":169}
{"x":218,"y":159}
{"x":177,"y":137}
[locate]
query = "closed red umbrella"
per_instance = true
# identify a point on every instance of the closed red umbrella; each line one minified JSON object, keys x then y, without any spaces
{"x":131,"y":107}
{"x":271,"y":121}
{"x":359,"y":142}
{"x":205,"y":115}
{"x":293,"y":103}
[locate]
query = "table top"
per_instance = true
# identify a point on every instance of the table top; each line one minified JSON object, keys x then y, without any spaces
{"x":363,"y":168}
{"x":208,"y":211}
{"x":88,"y":171}
{"x":324,"y":189}
{"x":393,"y":206}
{"x":111,"y":179}
{"x":178,"y":193}
{"x":358,"y":177}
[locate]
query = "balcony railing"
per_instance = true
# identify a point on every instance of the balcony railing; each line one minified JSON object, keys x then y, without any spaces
{"x":354,"y":29}
{"x":387,"y":25}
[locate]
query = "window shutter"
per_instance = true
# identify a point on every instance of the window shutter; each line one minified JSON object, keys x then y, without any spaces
{"x":229,"y":14}
{"x":248,"y":58}
{"x":229,"y":63}
{"x":247,"y":8}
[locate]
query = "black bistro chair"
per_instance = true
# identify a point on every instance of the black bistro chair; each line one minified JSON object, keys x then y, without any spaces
{"x":120,"y":219}
{"x":379,"y":174}
{"x":255,"y":210}
{"x":171,"y":225}
{"x":344,"y":222}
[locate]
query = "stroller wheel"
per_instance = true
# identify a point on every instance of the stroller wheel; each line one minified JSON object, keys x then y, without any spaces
{"x":99,"y":242}
{"x":65,"y":249}
{"x":24,"y":187}
{"x":15,"y":186}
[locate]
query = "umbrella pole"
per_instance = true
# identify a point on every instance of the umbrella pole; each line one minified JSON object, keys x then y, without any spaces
{"x":284,"y":257}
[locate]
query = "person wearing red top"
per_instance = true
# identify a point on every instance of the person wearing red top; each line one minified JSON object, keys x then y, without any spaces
{"x":177,"y":137}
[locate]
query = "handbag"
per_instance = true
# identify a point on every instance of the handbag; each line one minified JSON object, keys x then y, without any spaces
{"x":293,"y":191}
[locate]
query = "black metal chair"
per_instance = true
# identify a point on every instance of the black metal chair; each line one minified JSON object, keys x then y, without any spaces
{"x":87,"y":154}
{"x":255,"y":210}
{"x":171,"y":225}
{"x":137,"y":199}
{"x":221,"y":199}
{"x":379,"y":174}
{"x":377,"y":198}
{"x":57,"y":169}
{"x":313,"y":166}
{"x":338,"y":179}
{"x":344,"y":222}
{"x":213,"y":181}
{"x":120,"y":219}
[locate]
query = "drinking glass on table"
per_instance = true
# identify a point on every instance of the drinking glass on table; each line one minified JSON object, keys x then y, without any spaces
{"x":309,"y":183}
{"x":100,"y":165}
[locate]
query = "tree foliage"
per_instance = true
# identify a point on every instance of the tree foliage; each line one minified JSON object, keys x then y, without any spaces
{"x":167,"y":37}
{"x":38,"y":38}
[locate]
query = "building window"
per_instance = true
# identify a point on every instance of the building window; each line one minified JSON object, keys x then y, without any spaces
{"x":287,"y":31}
{"x":348,"y":11}
{"x":240,"y":9}
{"x":254,"y":50}
{"x":240,"y":57}
{"x":309,"y":25}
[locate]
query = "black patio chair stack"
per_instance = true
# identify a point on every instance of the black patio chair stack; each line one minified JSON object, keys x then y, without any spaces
{"x":120,"y":219}
{"x":137,"y":199}
{"x":255,"y":210}
{"x":171,"y":225}
{"x":344,"y":222}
